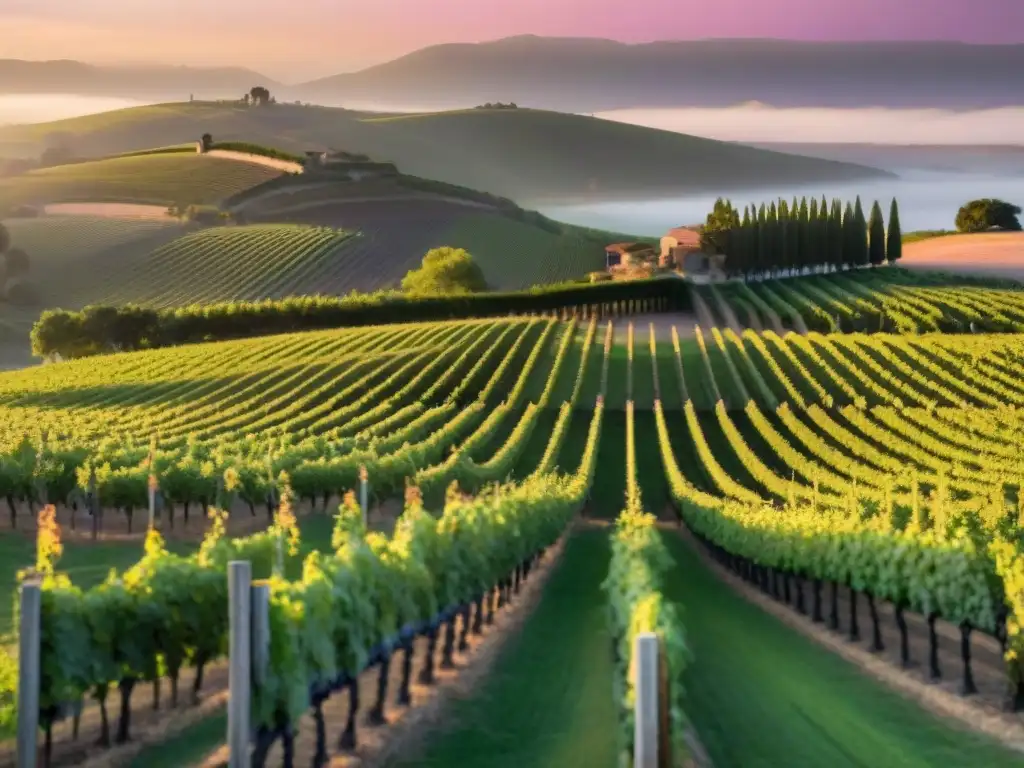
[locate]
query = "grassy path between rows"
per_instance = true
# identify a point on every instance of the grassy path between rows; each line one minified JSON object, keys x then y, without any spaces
{"x":547,"y":702}
{"x":760,"y":694}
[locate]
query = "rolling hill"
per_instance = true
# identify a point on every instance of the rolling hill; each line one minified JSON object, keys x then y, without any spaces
{"x":527,"y":155}
{"x":591,"y":75}
{"x":160,"y":179}
{"x":333,"y":248}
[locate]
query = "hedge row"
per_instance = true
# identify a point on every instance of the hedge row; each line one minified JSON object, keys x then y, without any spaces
{"x":257,"y":149}
{"x":100,"y":329}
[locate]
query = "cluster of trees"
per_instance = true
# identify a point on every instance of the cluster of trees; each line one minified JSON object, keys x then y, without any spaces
{"x":258,"y":96}
{"x":14,"y":285}
{"x":791,"y":238}
{"x":100,"y":329}
{"x":983,"y":215}
{"x":497,"y":105}
{"x":445,"y":271}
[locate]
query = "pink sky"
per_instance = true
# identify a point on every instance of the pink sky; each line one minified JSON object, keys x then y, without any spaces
{"x":297,"y":39}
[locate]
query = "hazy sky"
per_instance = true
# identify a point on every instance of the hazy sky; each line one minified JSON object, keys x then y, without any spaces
{"x":297,"y":39}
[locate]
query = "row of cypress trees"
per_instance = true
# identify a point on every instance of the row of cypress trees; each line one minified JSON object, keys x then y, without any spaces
{"x":792,"y":238}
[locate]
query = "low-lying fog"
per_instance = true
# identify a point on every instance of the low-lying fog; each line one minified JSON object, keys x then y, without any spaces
{"x":40,"y":108}
{"x":928,"y":199}
{"x":760,"y":123}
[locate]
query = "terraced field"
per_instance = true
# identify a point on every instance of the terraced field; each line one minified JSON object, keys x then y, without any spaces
{"x":825,"y":469}
{"x":396,"y":233}
{"x":872,"y":300}
{"x":67,"y":253}
{"x":227,"y":264}
{"x":79,"y":260}
{"x":161,"y":179}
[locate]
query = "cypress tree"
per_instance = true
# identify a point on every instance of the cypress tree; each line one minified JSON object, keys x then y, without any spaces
{"x":742,"y":251}
{"x":876,"y":236}
{"x":813,"y":235}
{"x":785,"y":243}
{"x":860,"y":241}
{"x":762,"y":239}
{"x":804,"y":231}
{"x":894,"y":239}
{"x":774,"y":239}
{"x":836,"y":257}
{"x":755,"y":243}
{"x":824,"y":220}
{"x":850,"y":258}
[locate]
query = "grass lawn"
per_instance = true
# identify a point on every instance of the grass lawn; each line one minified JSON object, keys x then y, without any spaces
{"x":548,"y":699}
{"x":759,"y":694}
{"x":190,"y":747}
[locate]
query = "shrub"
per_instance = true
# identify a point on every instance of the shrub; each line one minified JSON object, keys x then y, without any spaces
{"x":445,"y":271}
{"x":257,"y":149}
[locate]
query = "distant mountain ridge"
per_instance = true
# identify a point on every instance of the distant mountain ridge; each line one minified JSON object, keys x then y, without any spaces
{"x":590,"y":75}
{"x":993,"y":159}
{"x":135,"y":81}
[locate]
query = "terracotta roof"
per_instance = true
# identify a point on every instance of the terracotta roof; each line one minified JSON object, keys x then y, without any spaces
{"x":685,"y":235}
{"x":629,"y":247}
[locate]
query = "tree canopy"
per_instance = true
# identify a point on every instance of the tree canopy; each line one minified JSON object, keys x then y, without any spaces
{"x":259,"y":96}
{"x":984,"y":214}
{"x":445,"y":271}
{"x":723,"y":219}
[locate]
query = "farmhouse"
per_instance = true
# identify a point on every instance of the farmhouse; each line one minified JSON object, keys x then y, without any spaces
{"x":624,"y":255}
{"x":678,"y":247}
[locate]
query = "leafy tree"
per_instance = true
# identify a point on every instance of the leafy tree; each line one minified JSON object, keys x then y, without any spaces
{"x":445,"y":271}
{"x":723,"y":219}
{"x":982,"y":215}
{"x":894,"y":239}
{"x":876,"y":236}
{"x":259,"y":96}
